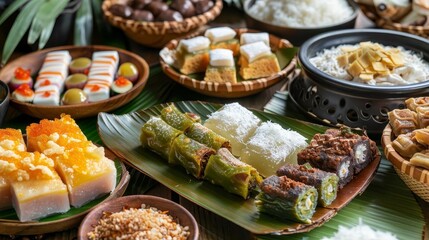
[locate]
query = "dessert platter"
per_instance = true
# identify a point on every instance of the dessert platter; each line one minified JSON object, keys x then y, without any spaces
{"x":194,"y":148}
{"x":242,"y":61}
{"x":54,"y":177}
{"x":80,"y":81}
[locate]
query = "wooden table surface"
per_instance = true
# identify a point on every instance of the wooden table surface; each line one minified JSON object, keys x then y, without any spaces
{"x":211,"y":225}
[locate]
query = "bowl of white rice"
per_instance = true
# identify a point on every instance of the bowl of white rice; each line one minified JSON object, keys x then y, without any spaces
{"x":336,"y":95}
{"x":299,"y":20}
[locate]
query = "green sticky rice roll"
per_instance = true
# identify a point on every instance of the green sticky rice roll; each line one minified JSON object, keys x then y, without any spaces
{"x":175,"y":118}
{"x":206,"y":136}
{"x":190,"y":154}
{"x":233,"y":175}
{"x":287,"y":199}
{"x":326,"y":183}
{"x":158,"y":136}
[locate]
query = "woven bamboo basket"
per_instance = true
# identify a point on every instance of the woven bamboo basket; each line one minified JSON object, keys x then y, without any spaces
{"x":416,"y":178}
{"x":157,"y":34}
{"x":371,"y":13}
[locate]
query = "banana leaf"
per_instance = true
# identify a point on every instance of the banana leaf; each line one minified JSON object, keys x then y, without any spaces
{"x":15,"y":5}
{"x":46,"y":14}
{"x":83,"y":24}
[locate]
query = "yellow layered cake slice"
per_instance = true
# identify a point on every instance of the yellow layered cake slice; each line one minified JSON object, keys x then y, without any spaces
{"x":29,"y":180}
{"x":222,"y":67}
{"x":223,"y":38}
{"x":10,"y":140}
{"x":257,"y":61}
{"x":82,"y":165}
{"x":193,"y":55}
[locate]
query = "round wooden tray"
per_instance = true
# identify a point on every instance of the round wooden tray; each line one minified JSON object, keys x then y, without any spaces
{"x":33,"y":61}
{"x":228,"y":90}
{"x":416,"y":178}
{"x":15,"y":227}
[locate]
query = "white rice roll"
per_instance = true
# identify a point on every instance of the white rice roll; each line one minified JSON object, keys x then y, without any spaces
{"x":271,"y":146}
{"x":234,"y":123}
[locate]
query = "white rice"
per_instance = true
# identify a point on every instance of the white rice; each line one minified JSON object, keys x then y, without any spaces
{"x":304,"y":13}
{"x":415,"y":69}
{"x":360,"y":232}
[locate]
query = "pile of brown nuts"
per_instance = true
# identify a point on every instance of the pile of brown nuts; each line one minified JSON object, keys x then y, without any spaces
{"x":160,"y":10}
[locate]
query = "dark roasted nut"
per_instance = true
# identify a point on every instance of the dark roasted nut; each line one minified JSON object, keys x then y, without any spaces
{"x":203,"y":6}
{"x":140,"y":4}
{"x":156,"y":8}
{"x":185,"y":7}
{"x":170,"y":15}
{"x":142,"y":15}
{"x":121,"y":10}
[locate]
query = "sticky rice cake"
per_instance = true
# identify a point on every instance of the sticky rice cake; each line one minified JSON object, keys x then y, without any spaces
{"x":193,"y":55}
{"x":257,"y":61}
{"x":222,"y":67}
{"x":82,"y":165}
{"x":223,"y":38}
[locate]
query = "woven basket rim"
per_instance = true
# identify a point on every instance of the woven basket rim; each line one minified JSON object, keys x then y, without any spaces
{"x":417,"y":173}
{"x":123,"y":23}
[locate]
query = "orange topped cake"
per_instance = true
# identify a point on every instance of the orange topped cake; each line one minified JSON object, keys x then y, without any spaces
{"x":82,"y":165}
{"x":29,"y":179}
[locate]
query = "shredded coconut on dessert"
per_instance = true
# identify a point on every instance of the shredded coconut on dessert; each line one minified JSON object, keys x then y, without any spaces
{"x":360,"y":232}
{"x":415,"y":69}
{"x":304,"y":13}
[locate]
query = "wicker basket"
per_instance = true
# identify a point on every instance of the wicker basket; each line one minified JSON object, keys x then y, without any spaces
{"x":157,"y":34}
{"x":416,"y":178}
{"x":371,"y":13}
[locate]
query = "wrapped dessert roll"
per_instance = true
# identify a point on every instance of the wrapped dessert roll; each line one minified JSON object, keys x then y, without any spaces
{"x":420,"y":159}
{"x":158,"y":136}
{"x":406,"y":145}
{"x":422,"y":116}
{"x":287,"y":199}
{"x":235,"y":123}
{"x":422,"y":136}
{"x":206,"y":136}
{"x":175,"y":118}
{"x":402,"y":121}
{"x":236,"y":177}
{"x":413,"y":103}
{"x":326,"y":183}
{"x":192,"y":155}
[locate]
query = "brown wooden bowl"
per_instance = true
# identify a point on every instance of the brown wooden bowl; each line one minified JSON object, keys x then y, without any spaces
{"x":416,"y":178}
{"x":228,"y":90}
{"x":179,"y":213}
{"x":157,"y":34}
{"x":15,"y":227}
{"x":372,"y":14}
{"x":33,"y":61}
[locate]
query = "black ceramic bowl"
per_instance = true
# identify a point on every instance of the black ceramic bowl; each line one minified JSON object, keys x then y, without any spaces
{"x":4,"y":100}
{"x":297,"y":35}
{"x":354,"y":104}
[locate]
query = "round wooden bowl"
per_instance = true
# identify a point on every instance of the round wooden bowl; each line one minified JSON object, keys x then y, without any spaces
{"x":179,"y":213}
{"x":416,"y":178}
{"x":33,"y":61}
{"x":71,"y":219}
{"x":230,"y":90}
{"x":157,"y":34}
{"x":372,"y":14}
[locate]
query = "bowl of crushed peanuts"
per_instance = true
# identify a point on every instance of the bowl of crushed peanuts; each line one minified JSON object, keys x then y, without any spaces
{"x":139,"y":217}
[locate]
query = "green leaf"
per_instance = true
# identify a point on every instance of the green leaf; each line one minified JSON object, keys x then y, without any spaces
{"x":83,"y":24}
{"x":46,"y":33}
{"x":15,"y":5}
{"x":47,"y":13}
{"x":20,"y":26}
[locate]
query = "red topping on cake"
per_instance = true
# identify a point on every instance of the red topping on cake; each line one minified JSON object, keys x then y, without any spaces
{"x":121,"y":81}
{"x":46,"y":82}
{"x":95,"y":88}
{"x":22,"y":74}
{"x":25,"y":90}
{"x":46,"y":94}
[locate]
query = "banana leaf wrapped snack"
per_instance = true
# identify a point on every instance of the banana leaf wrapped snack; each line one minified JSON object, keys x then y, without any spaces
{"x":208,"y":137}
{"x":175,"y":118}
{"x":158,"y":136}
{"x":235,"y":176}
{"x":192,"y":155}
{"x":326,"y":183}
{"x":287,"y":199}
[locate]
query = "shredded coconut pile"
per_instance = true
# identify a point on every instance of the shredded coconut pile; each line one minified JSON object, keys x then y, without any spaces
{"x":304,"y":13}
{"x":415,"y":69}
{"x":360,"y":232}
